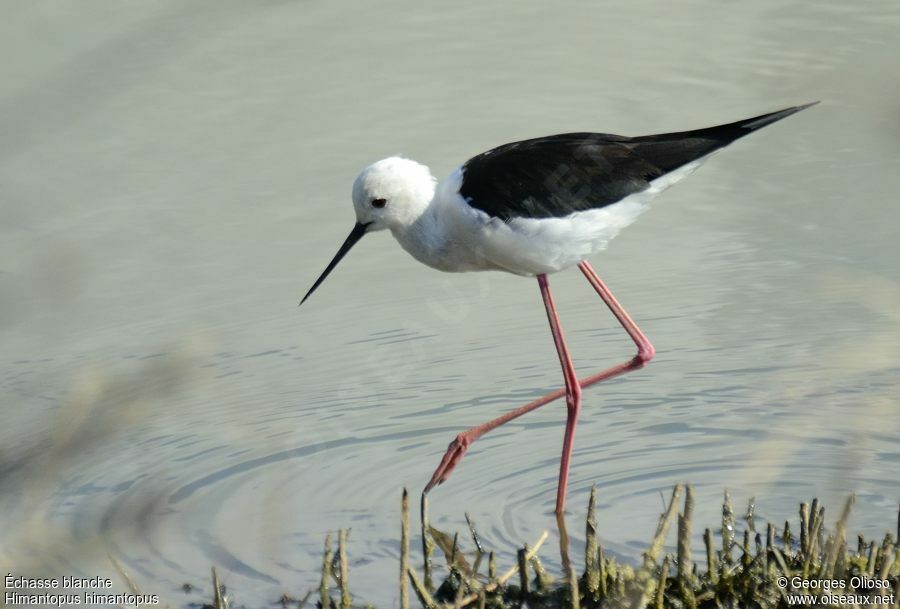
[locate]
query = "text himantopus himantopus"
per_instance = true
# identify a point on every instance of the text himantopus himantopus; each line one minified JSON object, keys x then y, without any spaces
{"x":533,"y":208}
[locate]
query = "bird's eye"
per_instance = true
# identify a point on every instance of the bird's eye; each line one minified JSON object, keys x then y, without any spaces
{"x":379,"y":203}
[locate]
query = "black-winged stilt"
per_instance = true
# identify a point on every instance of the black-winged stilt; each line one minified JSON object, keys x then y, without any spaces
{"x":532,"y":208}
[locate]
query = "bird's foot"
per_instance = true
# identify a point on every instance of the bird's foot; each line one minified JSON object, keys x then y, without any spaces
{"x":451,"y":458}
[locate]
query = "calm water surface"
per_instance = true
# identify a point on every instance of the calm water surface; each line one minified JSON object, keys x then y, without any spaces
{"x":176,"y":175}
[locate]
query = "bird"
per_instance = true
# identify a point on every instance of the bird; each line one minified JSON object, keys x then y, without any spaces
{"x":532,"y":208}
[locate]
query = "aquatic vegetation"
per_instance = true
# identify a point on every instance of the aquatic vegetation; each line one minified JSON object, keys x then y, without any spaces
{"x":770,"y":567}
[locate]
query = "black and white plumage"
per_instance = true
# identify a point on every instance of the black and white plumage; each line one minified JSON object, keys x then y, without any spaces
{"x":556,"y":175}
{"x":531,"y":207}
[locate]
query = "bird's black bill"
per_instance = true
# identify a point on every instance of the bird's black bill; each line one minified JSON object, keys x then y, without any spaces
{"x":355,"y":235}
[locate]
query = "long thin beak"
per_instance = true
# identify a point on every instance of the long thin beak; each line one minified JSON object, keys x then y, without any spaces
{"x":355,"y":235}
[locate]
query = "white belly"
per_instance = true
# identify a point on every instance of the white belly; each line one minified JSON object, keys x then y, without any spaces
{"x":456,"y":237}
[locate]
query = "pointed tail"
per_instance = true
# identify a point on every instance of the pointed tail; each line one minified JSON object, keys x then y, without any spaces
{"x":725,"y":134}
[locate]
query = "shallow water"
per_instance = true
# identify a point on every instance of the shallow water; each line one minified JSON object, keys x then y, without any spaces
{"x":176,"y":176}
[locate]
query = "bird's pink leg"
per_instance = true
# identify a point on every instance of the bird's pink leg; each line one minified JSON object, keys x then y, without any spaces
{"x":573,"y":393}
{"x":645,"y":353}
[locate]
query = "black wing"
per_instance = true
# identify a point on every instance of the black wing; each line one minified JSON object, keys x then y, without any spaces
{"x":556,"y":175}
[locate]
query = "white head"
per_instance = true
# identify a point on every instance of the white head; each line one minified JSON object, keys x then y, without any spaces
{"x":391,"y":193}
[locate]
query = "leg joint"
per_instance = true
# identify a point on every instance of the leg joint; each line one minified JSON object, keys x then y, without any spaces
{"x":645,"y":354}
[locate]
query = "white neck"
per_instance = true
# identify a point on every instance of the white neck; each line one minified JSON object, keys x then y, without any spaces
{"x":424,"y":237}
{"x":443,"y":234}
